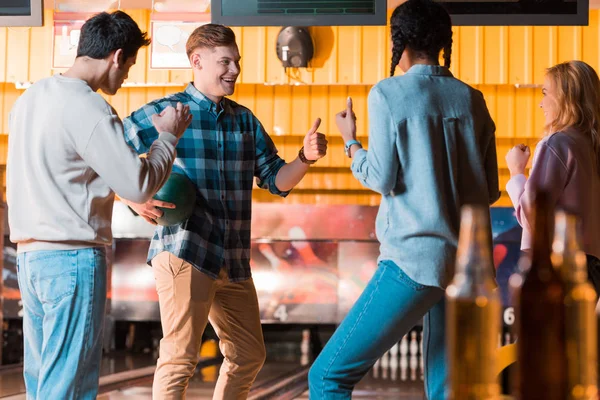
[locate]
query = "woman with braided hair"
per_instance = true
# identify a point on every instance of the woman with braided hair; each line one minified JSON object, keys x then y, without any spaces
{"x":431,"y":150}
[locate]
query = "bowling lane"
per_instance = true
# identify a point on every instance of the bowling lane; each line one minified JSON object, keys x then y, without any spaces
{"x":385,"y":384}
{"x":203,"y":383}
{"x":374,"y":389}
{"x":397,"y":375}
{"x":11,"y":381}
{"x":13,"y":387}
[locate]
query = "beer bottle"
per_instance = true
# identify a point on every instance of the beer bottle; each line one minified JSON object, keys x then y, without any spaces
{"x":580,"y":304}
{"x":539,"y":292}
{"x":473,"y":312}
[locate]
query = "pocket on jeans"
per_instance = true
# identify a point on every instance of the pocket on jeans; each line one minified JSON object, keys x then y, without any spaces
{"x":175,"y":264}
{"x":54,"y":274}
{"x":99,"y":252}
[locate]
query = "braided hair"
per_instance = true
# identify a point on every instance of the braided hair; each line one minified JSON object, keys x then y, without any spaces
{"x":425,"y":27}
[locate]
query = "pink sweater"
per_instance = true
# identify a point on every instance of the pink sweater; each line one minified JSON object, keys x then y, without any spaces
{"x":564,"y":165}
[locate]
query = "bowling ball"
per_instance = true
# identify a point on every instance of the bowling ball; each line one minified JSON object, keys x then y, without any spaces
{"x":181,"y":191}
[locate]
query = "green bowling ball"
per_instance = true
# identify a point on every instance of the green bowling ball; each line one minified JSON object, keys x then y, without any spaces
{"x":181,"y":191}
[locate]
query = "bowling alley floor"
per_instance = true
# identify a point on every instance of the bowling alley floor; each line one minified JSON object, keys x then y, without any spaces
{"x":202,"y":385}
{"x":387,"y":384}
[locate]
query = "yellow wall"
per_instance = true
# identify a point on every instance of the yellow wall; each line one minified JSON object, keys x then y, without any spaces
{"x":348,"y":61}
{"x":344,"y":55}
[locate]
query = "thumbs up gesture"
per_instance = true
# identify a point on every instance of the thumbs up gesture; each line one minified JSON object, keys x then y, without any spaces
{"x":346,"y":122}
{"x":315,"y":144}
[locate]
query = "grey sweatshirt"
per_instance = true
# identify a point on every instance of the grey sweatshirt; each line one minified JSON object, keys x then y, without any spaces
{"x":67,"y":157}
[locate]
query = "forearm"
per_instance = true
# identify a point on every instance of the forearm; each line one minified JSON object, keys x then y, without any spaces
{"x":155,"y":169}
{"x":515,"y":188}
{"x":378,"y":167}
{"x":290,"y":175}
{"x":126,"y":173}
{"x":353,"y":149}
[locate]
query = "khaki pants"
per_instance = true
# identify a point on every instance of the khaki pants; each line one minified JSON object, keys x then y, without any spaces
{"x":188,"y":300}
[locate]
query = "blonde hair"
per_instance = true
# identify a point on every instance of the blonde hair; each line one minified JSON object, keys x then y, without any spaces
{"x":577,"y":90}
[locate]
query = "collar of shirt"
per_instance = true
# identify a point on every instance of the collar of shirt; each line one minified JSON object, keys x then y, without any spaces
{"x":207,"y":104}
{"x":425,"y":69}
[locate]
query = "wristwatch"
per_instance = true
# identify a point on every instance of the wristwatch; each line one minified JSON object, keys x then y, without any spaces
{"x":303,"y":157}
{"x":349,"y":144}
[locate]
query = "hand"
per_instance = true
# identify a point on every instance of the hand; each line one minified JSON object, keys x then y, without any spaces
{"x":148,"y":210}
{"x":173,"y":120}
{"x":346,"y":122}
{"x":315,"y":144}
{"x":517,"y":159}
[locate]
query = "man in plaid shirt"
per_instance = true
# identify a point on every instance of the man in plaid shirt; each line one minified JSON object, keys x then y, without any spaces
{"x":201,"y":265}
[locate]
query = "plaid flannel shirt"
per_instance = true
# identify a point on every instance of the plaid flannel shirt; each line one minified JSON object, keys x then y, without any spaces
{"x":222,"y":151}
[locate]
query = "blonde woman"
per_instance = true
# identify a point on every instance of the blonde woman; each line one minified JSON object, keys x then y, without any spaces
{"x":567,"y":160}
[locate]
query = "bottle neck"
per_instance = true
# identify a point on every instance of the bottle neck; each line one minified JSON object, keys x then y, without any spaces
{"x":542,"y":231}
{"x":567,"y":255}
{"x":473,"y":258}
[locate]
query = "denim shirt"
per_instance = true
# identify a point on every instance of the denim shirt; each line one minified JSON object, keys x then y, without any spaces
{"x":431,"y":150}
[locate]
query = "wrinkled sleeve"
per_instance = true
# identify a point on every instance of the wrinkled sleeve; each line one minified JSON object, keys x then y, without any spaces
{"x":267,"y":161}
{"x":377,"y":168}
{"x":140,"y":132}
{"x":131,"y":177}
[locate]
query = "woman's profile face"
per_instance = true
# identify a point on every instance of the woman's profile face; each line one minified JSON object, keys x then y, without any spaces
{"x":549,"y":102}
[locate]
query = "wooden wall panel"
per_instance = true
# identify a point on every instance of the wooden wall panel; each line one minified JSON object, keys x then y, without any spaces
{"x":18,"y":54}
{"x":520,"y":56}
{"x":325,"y":62}
{"x":3,"y":53}
{"x":495,"y":56}
{"x":348,"y":61}
{"x":287,"y":112}
{"x":343,"y":55}
{"x":471,"y":54}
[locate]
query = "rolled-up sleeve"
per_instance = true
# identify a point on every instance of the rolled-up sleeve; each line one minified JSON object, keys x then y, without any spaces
{"x":377,"y":168}
{"x":267,"y":162}
{"x":140,"y":132}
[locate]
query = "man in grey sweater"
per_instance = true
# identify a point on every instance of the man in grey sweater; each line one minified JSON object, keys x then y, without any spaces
{"x":67,"y":157}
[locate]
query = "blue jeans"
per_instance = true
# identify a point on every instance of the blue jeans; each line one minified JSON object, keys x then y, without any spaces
{"x":389,"y":307}
{"x":64,"y":297}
